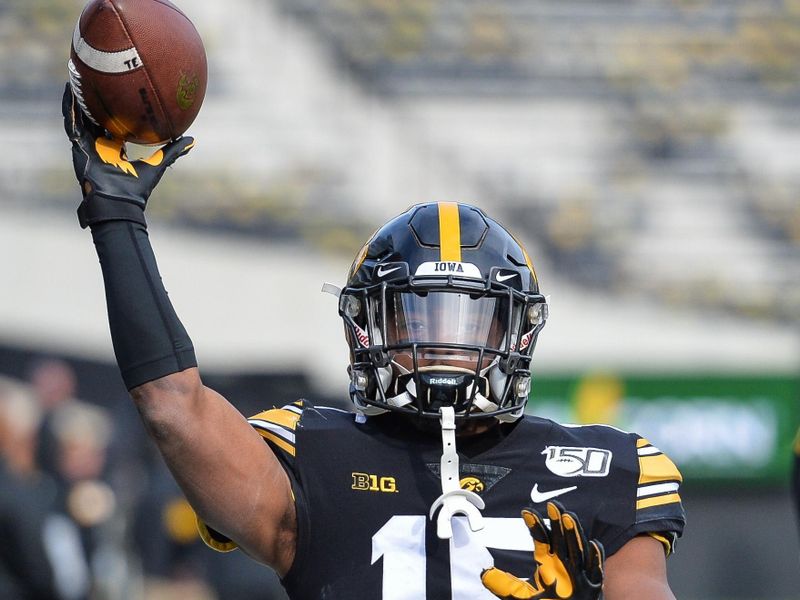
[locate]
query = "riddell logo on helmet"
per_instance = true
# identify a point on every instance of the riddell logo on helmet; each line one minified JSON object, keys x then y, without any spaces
{"x":443,"y":381}
{"x":525,"y":341}
{"x":362,"y":336}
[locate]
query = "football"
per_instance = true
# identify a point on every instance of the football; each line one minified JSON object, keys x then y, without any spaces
{"x":138,"y":69}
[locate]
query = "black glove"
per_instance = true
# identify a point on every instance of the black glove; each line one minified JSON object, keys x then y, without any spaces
{"x":567,"y":566}
{"x":114,"y":189}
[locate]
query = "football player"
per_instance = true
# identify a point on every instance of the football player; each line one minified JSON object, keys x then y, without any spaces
{"x":417,"y":492}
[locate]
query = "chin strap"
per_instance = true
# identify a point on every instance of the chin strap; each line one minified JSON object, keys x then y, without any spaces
{"x":454,"y":500}
{"x":486,"y":405}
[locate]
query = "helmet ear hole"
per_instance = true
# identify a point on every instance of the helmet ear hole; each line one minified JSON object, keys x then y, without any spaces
{"x":537,"y":313}
{"x":350,"y":306}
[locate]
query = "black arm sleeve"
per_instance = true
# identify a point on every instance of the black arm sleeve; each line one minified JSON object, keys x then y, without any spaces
{"x":149,"y":339}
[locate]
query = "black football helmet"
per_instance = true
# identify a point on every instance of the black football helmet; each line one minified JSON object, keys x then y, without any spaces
{"x":442,"y":307}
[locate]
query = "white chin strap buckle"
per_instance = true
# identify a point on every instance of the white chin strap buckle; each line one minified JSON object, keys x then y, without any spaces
{"x":454,"y":500}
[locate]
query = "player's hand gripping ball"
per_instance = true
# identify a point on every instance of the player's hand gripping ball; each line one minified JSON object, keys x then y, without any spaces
{"x":113,"y":188}
{"x":138,"y":69}
{"x":566,"y":565}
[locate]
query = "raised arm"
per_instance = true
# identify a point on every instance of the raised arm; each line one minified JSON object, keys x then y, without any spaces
{"x":231,"y":478}
{"x":227,"y":472}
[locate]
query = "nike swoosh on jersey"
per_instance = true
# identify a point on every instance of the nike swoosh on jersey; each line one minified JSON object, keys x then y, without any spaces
{"x":538,"y":496}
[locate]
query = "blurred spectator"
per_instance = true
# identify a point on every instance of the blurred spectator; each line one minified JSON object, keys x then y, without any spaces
{"x":165,"y":533}
{"x":81,"y":435}
{"x":84,"y":533}
{"x":54,"y":384}
{"x":176,"y":562}
{"x":26,"y":571}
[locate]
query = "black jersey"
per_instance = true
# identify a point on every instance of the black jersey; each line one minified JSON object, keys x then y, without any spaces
{"x":364,"y":487}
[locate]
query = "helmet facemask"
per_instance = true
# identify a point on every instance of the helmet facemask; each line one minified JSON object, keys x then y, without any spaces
{"x":419,"y":343}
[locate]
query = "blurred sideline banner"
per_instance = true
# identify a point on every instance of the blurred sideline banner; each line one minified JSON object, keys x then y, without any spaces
{"x":718,"y":429}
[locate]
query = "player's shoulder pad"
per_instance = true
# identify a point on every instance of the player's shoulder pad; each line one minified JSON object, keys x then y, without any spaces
{"x":278,"y":425}
{"x":592,"y":450}
{"x":594,"y":434}
{"x":654,"y":489}
{"x":658,"y":479}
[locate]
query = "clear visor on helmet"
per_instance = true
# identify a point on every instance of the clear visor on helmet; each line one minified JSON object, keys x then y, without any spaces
{"x":446,"y":318}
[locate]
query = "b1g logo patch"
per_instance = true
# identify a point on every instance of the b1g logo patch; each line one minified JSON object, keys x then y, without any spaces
{"x":373,"y":483}
{"x":569,"y":461}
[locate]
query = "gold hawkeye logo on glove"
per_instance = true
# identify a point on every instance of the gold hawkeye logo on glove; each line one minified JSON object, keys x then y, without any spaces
{"x":566,"y":565}
{"x":112,"y":152}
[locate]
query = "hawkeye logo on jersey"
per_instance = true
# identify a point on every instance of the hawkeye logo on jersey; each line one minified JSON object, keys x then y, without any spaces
{"x":373,"y":483}
{"x":569,"y":461}
{"x":473,"y":484}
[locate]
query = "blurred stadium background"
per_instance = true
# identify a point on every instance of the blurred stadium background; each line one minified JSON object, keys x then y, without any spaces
{"x":646,"y":152}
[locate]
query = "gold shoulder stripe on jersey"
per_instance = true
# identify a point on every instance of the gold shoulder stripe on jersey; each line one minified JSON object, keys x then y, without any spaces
{"x":278,"y":441}
{"x":277,"y":426}
{"x":279,"y":416}
{"x":449,"y":232}
{"x":657,"y":468}
{"x":657,"y":501}
{"x":797,"y":443}
{"x":659,"y":478}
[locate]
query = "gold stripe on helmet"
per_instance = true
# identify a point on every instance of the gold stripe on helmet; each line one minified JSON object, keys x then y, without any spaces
{"x":362,"y":255}
{"x":449,"y":232}
{"x":527,"y":259}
